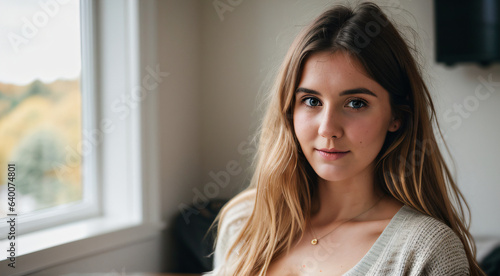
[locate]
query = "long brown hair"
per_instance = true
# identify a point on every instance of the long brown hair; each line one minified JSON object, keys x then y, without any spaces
{"x":409,"y":167}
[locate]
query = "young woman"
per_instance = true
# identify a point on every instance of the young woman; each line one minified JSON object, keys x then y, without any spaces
{"x":349,"y":179}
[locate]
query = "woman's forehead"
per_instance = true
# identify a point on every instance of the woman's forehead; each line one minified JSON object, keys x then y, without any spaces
{"x":336,"y":71}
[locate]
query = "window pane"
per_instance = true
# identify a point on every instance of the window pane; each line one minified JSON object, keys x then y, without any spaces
{"x":40,"y":103}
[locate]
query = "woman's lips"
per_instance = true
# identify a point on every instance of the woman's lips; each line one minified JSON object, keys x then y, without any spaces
{"x":332,"y":155}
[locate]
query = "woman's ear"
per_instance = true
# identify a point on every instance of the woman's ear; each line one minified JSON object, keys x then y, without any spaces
{"x":394,"y":125}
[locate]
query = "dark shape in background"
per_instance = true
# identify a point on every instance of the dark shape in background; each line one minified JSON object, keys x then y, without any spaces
{"x":467,"y":31}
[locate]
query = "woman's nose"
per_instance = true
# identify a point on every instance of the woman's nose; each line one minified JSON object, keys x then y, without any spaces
{"x":330,"y":124}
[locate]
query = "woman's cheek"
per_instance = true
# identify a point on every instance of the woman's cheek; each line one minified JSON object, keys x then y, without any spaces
{"x":366,"y":134}
{"x":302,"y":124}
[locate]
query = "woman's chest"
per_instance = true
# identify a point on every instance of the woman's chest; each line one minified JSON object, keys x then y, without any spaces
{"x":332,"y":255}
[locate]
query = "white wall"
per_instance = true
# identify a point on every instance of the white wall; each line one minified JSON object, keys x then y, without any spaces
{"x":179,"y":102}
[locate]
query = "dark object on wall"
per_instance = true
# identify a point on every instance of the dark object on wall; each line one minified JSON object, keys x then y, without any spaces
{"x":491,"y":264}
{"x":192,"y":248}
{"x":467,"y":31}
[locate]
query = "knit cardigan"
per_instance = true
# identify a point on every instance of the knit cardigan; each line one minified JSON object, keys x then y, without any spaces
{"x":411,"y":244}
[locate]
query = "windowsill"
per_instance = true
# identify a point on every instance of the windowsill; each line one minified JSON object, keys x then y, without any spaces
{"x":49,"y":247}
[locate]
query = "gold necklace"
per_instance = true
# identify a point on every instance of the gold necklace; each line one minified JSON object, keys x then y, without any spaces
{"x":316,"y":240}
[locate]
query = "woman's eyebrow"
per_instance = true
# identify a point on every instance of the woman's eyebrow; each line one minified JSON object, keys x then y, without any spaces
{"x":307,"y":90}
{"x":360,"y":90}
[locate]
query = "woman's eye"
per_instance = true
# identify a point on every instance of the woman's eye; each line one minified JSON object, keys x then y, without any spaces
{"x":311,"y":101}
{"x":356,"y":104}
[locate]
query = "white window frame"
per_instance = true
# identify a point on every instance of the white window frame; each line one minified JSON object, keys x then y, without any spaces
{"x":126,"y":167}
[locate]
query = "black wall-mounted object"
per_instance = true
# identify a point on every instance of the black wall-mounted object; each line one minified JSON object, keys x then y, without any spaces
{"x":467,"y":31}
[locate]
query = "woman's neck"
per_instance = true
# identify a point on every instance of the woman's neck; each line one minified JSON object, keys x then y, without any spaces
{"x":345,"y":199}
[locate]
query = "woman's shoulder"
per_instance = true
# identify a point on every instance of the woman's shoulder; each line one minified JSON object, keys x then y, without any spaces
{"x":422,"y":226}
{"x":238,"y":208}
{"x":232,"y":219}
{"x":430,"y":242}
{"x":414,"y":244}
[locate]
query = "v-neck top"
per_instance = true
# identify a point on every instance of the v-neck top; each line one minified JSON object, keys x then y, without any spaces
{"x":411,"y":244}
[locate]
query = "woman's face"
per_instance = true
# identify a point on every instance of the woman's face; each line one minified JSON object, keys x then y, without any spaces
{"x":338,"y":108}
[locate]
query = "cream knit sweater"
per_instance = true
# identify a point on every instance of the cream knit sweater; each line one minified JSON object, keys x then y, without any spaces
{"x":411,"y":244}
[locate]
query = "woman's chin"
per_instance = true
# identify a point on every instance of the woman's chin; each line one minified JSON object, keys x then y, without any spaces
{"x":333,"y":177}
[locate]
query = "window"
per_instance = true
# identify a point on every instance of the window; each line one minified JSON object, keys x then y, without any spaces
{"x":119,"y":201}
{"x":41,"y":119}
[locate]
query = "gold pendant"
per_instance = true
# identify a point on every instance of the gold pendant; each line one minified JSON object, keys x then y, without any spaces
{"x":314,"y":241}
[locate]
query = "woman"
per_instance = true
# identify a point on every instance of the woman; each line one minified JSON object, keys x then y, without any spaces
{"x":348,"y":179}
